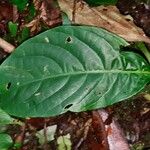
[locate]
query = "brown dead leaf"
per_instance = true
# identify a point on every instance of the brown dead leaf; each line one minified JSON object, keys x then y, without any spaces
{"x":115,"y":135}
{"x":37,"y":4}
{"x":106,"y":17}
{"x":6,"y":11}
{"x":34,"y":25}
{"x":48,"y":15}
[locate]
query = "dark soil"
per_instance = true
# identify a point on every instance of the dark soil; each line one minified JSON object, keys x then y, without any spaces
{"x":134,"y":118}
{"x":139,"y":10}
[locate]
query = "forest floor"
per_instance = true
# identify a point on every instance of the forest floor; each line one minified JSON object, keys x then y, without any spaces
{"x":81,"y":131}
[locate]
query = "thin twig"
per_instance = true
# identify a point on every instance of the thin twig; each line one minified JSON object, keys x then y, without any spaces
{"x":15,"y":13}
{"x":142,"y":47}
{"x":7,"y":47}
{"x":86,"y":130}
{"x":20,"y":138}
{"x":74,"y":10}
{"x":45,"y":136}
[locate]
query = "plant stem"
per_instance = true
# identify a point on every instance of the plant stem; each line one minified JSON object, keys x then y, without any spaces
{"x":20,"y":138}
{"x":141,"y":46}
{"x":45,"y":136}
{"x":146,"y":53}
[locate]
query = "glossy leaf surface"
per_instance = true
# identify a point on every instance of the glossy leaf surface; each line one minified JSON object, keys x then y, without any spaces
{"x":5,"y":118}
{"x":70,"y":68}
{"x":5,"y":141}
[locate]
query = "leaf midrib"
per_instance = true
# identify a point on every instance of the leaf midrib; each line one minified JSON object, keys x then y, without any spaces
{"x":89,"y":72}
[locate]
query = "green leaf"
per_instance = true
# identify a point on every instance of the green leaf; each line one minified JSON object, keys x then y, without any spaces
{"x":65,"y":19}
{"x":13,"y":27}
{"x":5,"y":142}
{"x":21,"y":4}
{"x":64,"y":142}
{"x":70,"y":68}
{"x":3,"y":128}
{"x":32,"y":12}
{"x":25,"y":34}
{"x":17,"y":145}
{"x":101,"y":2}
{"x":5,"y":118}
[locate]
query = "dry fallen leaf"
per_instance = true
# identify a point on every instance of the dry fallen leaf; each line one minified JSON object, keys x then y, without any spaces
{"x":116,"y":137}
{"x":106,"y":17}
{"x":48,"y":14}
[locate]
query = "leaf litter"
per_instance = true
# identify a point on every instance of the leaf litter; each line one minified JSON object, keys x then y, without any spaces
{"x":83,"y":132}
{"x":106,"y":17}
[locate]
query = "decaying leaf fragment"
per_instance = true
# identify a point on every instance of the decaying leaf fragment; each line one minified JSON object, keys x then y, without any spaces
{"x":48,"y":14}
{"x":116,"y":137}
{"x":106,"y":17}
